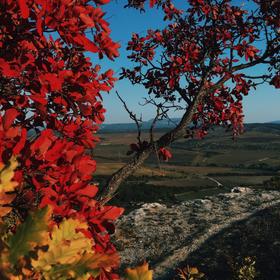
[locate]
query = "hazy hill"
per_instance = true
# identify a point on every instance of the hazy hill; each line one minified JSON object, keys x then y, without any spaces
{"x":121,"y":127}
{"x":273,"y":126}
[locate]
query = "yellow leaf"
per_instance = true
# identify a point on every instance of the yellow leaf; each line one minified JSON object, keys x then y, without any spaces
{"x":5,"y":265}
{"x":7,"y":185}
{"x":139,"y":273}
{"x":190,"y":273}
{"x":66,"y":246}
{"x":98,"y":260}
{"x":89,"y":264}
{"x":84,"y":277}
{"x":6,"y":176}
{"x":14,"y":277}
{"x":5,"y":199}
{"x":193,"y":270}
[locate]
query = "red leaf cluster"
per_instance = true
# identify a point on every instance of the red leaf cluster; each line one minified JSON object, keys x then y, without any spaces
{"x":164,"y":154}
{"x":249,"y":51}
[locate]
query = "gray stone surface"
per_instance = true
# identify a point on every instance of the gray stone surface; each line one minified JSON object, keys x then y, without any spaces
{"x":166,"y":236}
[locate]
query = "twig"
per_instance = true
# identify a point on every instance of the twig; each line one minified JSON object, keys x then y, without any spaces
{"x":138,"y":121}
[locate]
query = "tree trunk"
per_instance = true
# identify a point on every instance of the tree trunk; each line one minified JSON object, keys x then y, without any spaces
{"x":165,"y":140}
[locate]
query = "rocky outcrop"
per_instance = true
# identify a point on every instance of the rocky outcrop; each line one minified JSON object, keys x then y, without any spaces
{"x":165,"y":236}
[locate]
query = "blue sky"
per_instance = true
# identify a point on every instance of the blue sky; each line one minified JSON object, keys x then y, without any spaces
{"x":261,"y":105}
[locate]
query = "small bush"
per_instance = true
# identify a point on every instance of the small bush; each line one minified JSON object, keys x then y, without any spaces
{"x":247,"y":269}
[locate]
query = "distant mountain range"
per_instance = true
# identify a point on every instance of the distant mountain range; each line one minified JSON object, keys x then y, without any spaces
{"x":120,"y":127}
{"x":165,"y":124}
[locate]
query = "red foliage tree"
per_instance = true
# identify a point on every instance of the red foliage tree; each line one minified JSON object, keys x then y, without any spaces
{"x":51,"y":107}
{"x":198,"y":64}
{"x":51,"y":102}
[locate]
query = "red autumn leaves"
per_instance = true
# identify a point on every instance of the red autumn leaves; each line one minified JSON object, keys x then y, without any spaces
{"x":196,"y":49}
{"x":70,"y":20}
{"x":164,"y":154}
{"x":51,"y":99}
{"x":244,"y":49}
{"x":12,"y":138}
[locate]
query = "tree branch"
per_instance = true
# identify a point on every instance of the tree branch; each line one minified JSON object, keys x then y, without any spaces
{"x":133,"y":116}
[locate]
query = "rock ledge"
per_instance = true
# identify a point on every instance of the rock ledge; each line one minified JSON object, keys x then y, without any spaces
{"x":166,"y":236}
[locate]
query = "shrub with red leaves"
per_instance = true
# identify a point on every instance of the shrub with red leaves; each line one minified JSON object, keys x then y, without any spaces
{"x":51,"y":104}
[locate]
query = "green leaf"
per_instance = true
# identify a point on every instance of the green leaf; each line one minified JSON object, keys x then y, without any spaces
{"x":32,"y":232}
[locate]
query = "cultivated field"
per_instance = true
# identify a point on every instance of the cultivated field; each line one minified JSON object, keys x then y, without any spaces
{"x":198,"y":167}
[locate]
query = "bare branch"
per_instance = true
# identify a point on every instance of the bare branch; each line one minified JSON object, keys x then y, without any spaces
{"x":153,"y":125}
{"x":258,"y":77}
{"x":138,"y":121}
{"x":179,"y":131}
{"x":183,"y":94}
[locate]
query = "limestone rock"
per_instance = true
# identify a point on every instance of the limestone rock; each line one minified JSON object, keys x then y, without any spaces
{"x":166,"y":235}
{"x":241,"y":190}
